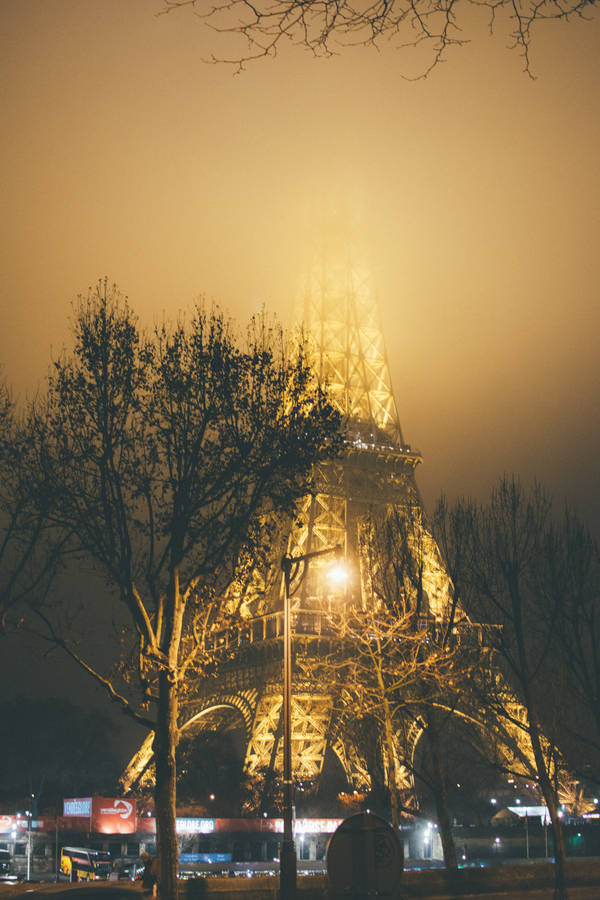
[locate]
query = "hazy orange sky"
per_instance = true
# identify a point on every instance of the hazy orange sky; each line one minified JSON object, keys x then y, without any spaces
{"x":477,"y":190}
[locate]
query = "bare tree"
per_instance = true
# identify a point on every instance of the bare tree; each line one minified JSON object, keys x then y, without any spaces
{"x":29,"y":550}
{"x":511,"y":548}
{"x":389,"y":661}
{"x":571,"y":594}
{"x":378,"y":667}
{"x":416,"y":563}
{"x":168,"y":456}
{"x":327,"y":26}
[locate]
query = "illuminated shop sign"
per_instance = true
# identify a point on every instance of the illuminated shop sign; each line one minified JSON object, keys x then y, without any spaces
{"x":120,"y":808}
{"x":113,"y":815}
{"x":317,"y":826}
{"x":7,"y":823}
{"x":301,"y":826}
{"x":195,"y":826}
{"x":107,"y":815}
{"x":78,"y":807}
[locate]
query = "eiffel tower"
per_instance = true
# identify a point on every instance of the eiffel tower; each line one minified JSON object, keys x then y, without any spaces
{"x":337,"y":308}
{"x":338,"y":312}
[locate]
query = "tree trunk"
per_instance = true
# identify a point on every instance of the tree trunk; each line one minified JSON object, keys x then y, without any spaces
{"x":560,"y":854}
{"x":392,"y":774}
{"x":441,"y":799}
{"x":167,"y":736}
{"x":165,"y":745}
{"x":535,"y":733}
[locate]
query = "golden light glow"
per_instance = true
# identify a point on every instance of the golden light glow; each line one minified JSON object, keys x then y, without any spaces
{"x":338,"y":573}
{"x":129,"y":156}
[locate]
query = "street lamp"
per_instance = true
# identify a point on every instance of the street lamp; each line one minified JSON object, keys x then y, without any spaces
{"x":287,"y":856}
{"x":28,"y":814}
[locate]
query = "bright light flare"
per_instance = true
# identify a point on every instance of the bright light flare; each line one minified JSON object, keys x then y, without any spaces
{"x":337,"y":573}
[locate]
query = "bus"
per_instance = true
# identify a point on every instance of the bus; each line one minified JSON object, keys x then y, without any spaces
{"x":83,"y":864}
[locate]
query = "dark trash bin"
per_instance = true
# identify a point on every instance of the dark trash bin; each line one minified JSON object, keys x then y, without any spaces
{"x":365,"y":860}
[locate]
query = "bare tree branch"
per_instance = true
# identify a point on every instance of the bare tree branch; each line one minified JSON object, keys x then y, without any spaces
{"x":325,"y":27}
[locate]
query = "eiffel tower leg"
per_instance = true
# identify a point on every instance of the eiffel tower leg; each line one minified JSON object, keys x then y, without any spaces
{"x":270,"y":774}
{"x":261,"y":752}
{"x":310,"y":713}
{"x":355,"y":768}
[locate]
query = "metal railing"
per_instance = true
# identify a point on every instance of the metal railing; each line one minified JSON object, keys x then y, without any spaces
{"x":305,"y":623}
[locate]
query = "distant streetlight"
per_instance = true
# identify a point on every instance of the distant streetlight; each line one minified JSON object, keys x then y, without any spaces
{"x":28,"y":814}
{"x":287,"y":857}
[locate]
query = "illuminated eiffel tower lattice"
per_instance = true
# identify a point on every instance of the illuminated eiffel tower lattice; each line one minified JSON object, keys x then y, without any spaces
{"x":338,"y":312}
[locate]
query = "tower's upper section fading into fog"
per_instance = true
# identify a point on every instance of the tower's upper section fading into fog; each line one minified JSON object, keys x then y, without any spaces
{"x":338,"y":311}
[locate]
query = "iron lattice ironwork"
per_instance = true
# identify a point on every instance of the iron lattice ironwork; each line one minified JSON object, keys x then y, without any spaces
{"x":339,"y":317}
{"x":337,"y":312}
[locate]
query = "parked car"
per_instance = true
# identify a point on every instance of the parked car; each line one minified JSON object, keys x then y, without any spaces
{"x":133,"y":870}
{"x":6,"y":869}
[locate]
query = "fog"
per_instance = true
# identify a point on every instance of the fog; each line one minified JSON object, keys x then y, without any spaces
{"x":476,"y":191}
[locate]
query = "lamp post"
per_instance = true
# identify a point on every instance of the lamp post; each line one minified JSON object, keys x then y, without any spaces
{"x":287,"y":856}
{"x":28,"y":814}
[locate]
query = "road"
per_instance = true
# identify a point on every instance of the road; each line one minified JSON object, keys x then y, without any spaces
{"x":129,"y":892}
{"x":70,"y":892}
